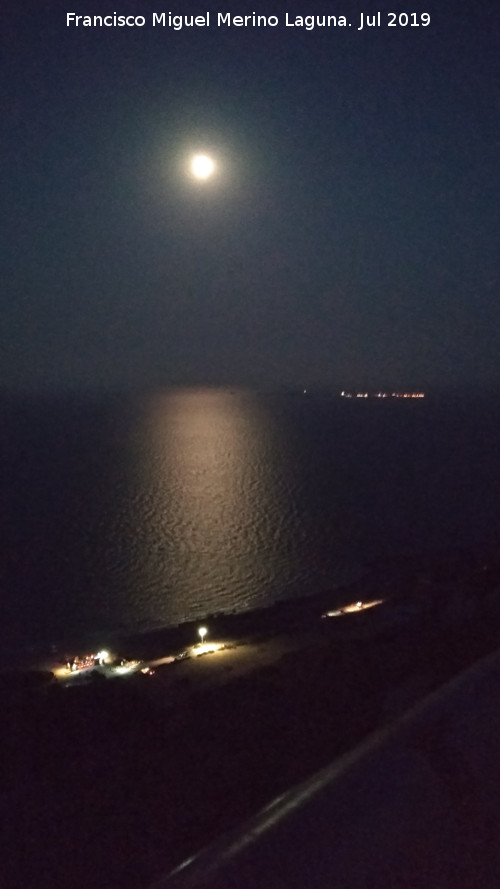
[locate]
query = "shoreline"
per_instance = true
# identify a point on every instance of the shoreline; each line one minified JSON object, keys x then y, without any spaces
{"x":230,"y":731}
{"x":406,"y":581}
{"x":281,"y":617}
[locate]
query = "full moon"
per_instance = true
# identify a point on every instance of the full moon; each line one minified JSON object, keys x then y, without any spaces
{"x":202,"y":166}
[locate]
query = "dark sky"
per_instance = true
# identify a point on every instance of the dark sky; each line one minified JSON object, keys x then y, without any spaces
{"x":350,"y":237}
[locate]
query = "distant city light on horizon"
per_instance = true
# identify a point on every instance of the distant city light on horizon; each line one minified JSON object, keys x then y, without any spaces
{"x":354,"y":394}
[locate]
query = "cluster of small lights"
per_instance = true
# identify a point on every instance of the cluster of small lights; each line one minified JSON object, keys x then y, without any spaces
{"x":88,"y":661}
{"x":382,"y":394}
{"x":350,"y":609}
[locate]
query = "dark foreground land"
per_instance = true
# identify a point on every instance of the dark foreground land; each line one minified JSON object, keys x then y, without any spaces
{"x":113,"y":783}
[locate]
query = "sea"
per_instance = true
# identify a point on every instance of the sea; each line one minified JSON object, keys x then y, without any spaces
{"x":128,"y":513}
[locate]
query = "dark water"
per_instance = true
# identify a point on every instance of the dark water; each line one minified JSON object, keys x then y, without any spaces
{"x":135,"y":513}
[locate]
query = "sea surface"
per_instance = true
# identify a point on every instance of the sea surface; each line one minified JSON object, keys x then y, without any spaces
{"x":125,"y":514}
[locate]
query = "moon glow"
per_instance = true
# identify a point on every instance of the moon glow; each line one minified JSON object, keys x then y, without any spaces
{"x":202,"y":166}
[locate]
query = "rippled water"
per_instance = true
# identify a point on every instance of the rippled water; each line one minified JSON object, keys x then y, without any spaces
{"x":151,"y":511}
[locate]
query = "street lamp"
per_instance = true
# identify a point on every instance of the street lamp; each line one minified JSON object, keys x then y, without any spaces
{"x":202,"y":632}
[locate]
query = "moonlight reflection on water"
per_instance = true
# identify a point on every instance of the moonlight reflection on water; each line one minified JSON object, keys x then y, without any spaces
{"x":126,"y":514}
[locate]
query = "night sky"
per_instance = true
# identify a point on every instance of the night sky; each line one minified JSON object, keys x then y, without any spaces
{"x":349,"y":238}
